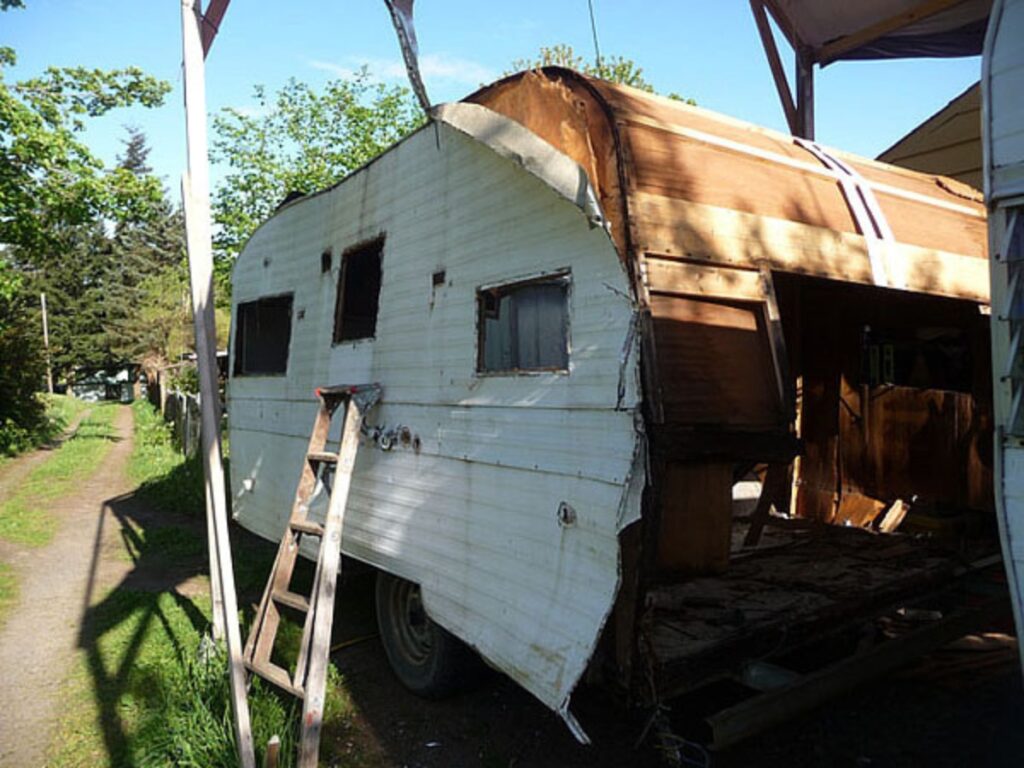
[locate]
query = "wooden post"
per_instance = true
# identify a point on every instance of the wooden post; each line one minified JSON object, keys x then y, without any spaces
{"x":198,"y":235}
{"x":273,"y":752}
{"x":46,"y":344}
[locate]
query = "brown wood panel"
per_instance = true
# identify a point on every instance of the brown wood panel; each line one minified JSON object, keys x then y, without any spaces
{"x":695,"y":530}
{"x":666,"y":275}
{"x":714,"y":363}
{"x":675,"y":227}
{"x":886,"y":442}
{"x":901,"y":442}
{"x":602,"y":126}
{"x":675,"y":166}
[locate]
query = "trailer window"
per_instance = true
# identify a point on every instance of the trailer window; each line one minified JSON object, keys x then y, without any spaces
{"x":262,"y":336}
{"x":355,"y":313}
{"x":524,"y":326}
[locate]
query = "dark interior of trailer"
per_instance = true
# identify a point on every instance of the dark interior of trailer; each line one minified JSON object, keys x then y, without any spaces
{"x":793,"y":497}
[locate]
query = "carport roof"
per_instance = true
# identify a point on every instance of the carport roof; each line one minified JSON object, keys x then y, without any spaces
{"x":831,"y":30}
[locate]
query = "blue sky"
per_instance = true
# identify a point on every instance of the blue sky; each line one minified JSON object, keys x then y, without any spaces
{"x":707,"y":50}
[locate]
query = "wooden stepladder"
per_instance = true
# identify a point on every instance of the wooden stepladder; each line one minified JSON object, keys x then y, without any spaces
{"x":310,"y":678}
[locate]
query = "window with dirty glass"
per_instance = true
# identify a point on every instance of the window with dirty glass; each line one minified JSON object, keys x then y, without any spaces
{"x":1011,"y":252}
{"x":355,"y":312}
{"x":263,"y":333}
{"x":524,"y":326}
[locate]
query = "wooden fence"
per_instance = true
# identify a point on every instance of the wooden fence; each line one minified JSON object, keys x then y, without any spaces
{"x":182,"y":410}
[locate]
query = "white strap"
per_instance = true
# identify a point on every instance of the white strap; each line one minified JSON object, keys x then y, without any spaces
{"x":867,"y":214}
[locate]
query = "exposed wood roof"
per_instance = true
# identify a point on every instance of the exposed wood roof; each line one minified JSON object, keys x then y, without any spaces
{"x":948,"y":142}
{"x":685,"y":182}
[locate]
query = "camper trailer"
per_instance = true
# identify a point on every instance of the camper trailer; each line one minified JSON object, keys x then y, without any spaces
{"x":1002,"y":85}
{"x":596,"y":315}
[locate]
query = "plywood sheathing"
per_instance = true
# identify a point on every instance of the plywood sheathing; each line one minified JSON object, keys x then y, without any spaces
{"x":720,"y":350}
{"x":705,"y":186}
{"x":884,"y":442}
{"x":695,"y":520}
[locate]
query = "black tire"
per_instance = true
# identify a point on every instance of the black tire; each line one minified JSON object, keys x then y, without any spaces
{"x":426,"y":658}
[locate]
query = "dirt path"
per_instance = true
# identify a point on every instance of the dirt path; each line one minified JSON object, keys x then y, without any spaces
{"x":57,"y":583}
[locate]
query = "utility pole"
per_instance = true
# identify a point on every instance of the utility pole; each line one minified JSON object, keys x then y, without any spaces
{"x":46,"y":343}
{"x":198,"y":236}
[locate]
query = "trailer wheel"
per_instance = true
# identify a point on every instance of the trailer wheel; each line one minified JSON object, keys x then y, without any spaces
{"x":427,"y":659}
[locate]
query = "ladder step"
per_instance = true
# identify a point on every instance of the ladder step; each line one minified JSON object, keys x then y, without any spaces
{"x":276,"y":675}
{"x":324,"y":457}
{"x":291,"y":599}
{"x":307,"y":526}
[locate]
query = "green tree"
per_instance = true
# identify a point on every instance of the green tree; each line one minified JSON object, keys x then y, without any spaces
{"x":21,"y":373}
{"x":48,"y":178}
{"x":298,"y":140}
{"x":96,"y":306}
{"x":615,"y":69}
{"x":142,"y":249}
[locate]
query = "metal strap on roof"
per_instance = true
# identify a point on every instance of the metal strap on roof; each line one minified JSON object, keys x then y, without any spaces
{"x":867,"y":213}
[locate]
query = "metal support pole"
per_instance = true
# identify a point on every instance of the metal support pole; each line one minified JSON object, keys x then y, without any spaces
{"x":46,"y":344}
{"x":198,"y":233}
{"x":805,"y":95}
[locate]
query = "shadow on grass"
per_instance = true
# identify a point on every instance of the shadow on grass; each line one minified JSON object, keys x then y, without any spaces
{"x":141,"y":640}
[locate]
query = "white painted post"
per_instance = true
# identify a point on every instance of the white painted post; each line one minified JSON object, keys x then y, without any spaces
{"x":198,"y":235}
{"x":46,"y":343}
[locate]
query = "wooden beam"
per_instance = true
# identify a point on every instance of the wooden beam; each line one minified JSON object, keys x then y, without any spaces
{"x":761,"y":712}
{"x":837,"y":48}
{"x":774,"y":62}
{"x":715,"y":281}
{"x":211,"y":22}
{"x":198,"y":237}
{"x":727,"y":237}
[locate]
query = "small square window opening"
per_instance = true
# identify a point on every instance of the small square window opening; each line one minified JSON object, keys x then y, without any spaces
{"x":355,"y":313}
{"x":524,"y":326}
{"x":263,"y":335}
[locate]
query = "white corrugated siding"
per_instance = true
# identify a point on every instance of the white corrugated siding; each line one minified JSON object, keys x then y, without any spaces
{"x":1005,"y":69}
{"x":472,"y":515}
{"x":1003,"y":137}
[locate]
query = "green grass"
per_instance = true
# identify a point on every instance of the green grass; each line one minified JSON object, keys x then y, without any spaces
{"x":23,"y":516}
{"x":8,"y":590}
{"x":166,"y":479}
{"x":59,"y":412}
{"x":144,"y":693}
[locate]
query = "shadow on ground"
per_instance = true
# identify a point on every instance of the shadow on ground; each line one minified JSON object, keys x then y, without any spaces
{"x":950,"y":717}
